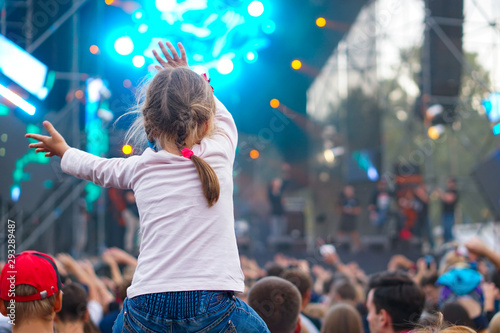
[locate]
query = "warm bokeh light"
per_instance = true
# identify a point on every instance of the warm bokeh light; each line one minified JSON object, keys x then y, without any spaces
{"x":127,"y":149}
{"x":296,"y":64}
{"x":320,"y":22}
{"x":94,"y":49}
{"x":79,"y":94}
{"x":274,"y":103}
{"x":433,"y":133}
{"x":254,"y":154}
{"x":109,"y":2}
{"x":329,"y":156}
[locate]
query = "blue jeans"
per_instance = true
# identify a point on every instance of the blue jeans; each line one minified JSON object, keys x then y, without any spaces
{"x":448,"y":222}
{"x":188,"y":311}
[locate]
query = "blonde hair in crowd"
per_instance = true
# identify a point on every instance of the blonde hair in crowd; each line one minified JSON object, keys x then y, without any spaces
{"x":178,"y":106}
{"x":342,"y":318}
{"x":441,"y":328}
{"x":42,"y":309}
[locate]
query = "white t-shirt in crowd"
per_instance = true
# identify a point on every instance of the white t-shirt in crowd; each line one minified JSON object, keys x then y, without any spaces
{"x":185,"y":245}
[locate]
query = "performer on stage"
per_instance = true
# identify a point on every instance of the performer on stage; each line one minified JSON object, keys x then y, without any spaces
{"x":278,"y":219}
{"x":380,"y":206}
{"x":349,"y":209}
{"x":449,"y":199}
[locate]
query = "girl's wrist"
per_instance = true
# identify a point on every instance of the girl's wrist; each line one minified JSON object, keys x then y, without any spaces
{"x":64,"y":150}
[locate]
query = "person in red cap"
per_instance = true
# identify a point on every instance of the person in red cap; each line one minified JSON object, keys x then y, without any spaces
{"x":30,"y":288}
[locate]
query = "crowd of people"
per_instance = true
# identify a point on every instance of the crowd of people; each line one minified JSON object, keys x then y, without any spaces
{"x":460,"y":293}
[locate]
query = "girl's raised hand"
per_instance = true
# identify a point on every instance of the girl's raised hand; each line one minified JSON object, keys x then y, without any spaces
{"x":53,"y":145}
{"x":173,"y":60}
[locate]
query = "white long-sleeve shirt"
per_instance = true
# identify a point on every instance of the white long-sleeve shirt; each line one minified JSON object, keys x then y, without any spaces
{"x":185,"y":245}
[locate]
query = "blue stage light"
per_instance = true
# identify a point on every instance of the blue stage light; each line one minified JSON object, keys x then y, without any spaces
{"x":496,"y":129}
{"x":269,"y":27}
{"x":22,"y":68}
{"x":225,"y":66}
{"x":251,"y":57}
{"x":372,"y":173}
{"x":197,"y":57}
{"x":138,"y":14}
{"x":492,"y":106}
{"x":143,"y":28}
{"x":15,"y":193}
{"x":138,"y":61}
{"x":199,"y":69}
{"x":165,"y":5}
{"x":17,"y":100}
{"x":255,"y":8}
{"x":124,"y":45}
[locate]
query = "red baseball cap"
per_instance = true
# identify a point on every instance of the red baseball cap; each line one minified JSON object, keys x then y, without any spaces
{"x":32,"y":268}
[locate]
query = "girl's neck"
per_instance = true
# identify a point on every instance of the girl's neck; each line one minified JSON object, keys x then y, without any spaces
{"x":171,"y":147}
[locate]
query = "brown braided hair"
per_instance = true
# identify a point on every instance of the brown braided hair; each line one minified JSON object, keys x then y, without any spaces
{"x":179,"y":107}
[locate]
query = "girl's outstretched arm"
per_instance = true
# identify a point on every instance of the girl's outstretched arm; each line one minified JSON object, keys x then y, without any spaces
{"x":114,"y":172}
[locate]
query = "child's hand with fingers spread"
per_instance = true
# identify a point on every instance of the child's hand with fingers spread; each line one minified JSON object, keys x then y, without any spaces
{"x":174,"y":60}
{"x":53,"y":145}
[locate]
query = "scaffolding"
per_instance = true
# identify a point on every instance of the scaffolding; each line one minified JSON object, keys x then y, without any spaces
{"x":34,"y":227}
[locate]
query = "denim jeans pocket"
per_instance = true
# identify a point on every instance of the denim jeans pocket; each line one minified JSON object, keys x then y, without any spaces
{"x":135,"y":321}
{"x":215,"y":301}
{"x":229,"y":328}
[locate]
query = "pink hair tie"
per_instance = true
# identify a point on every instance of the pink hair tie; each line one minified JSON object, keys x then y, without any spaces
{"x":187,"y":153}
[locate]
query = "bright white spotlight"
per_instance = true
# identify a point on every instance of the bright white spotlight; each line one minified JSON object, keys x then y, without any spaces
{"x":225,"y":66}
{"x":138,"y":14}
{"x":17,"y":100}
{"x":165,"y":5}
{"x":255,"y":8}
{"x":138,"y":61}
{"x":251,"y":57}
{"x":199,"y":69}
{"x":143,"y":28}
{"x":372,"y":173}
{"x":124,"y":45}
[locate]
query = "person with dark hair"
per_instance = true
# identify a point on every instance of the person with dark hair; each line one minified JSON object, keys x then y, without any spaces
{"x":455,"y":314}
{"x":431,"y":291}
{"x":349,"y":209}
{"x":394,"y":303}
{"x":274,"y":269}
{"x":278,"y":302}
{"x":74,"y":313}
{"x":343,"y":291}
{"x":278,"y":220}
{"x":380,"y":206}
{"x":449,"y":199}
{"x":303,"y":282}
{"x":423,"y":222}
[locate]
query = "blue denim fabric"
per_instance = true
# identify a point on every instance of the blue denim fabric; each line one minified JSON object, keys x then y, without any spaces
{"x":188,"y":311}
{"x":448,"y":222}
